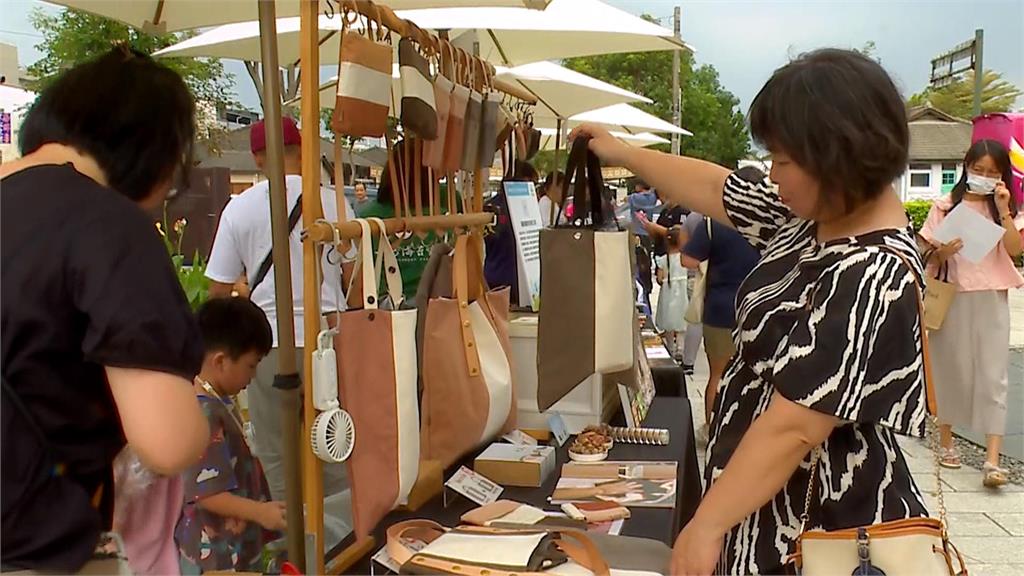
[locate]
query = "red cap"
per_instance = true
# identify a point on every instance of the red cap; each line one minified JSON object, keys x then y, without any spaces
{"x":258,"y":135}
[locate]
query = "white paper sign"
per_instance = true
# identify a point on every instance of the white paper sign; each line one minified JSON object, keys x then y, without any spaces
{"x":474,"y":486}
{"x":558,"y":428}
{"x":978,"y":233}
{"x":520,"y":438}
{"x":524,"y":211}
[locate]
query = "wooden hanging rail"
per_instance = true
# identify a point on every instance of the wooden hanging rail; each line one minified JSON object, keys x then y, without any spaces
{"x":408,"y":29}
{"x":322,"y":232}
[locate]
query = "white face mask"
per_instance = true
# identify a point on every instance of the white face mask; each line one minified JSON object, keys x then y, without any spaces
{"x":981,"y":185}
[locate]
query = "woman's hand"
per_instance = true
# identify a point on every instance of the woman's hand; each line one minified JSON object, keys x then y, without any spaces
{"x":608,"y":148}
{"x":1002,"y":196}
{"x":946,"y":251}
{"x":697,"y":551}
{"x":271,"y":515}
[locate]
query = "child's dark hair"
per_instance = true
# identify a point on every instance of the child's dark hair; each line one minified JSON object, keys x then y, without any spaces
{"x":235,"y":326}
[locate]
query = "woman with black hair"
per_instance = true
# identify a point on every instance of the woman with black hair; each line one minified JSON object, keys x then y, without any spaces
{"x":829,"y":354}
{"x":99,"y":344}
{"x":970,"y":353}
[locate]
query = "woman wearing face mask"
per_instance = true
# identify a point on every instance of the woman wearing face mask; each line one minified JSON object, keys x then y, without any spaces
{"x":829,"y":354}
{"x":971,"y":351}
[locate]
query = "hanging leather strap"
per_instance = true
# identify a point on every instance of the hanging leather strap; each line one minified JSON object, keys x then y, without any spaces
{"x":417,"y":172}
{"x":387,"y":263}
{"x":396,"y":198}
{"x":460,"y":274}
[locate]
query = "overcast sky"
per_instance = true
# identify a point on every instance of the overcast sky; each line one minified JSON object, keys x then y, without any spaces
{"x":747,"y":39}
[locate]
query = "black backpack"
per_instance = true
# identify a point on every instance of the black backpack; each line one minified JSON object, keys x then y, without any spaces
{"x":48,"y":519}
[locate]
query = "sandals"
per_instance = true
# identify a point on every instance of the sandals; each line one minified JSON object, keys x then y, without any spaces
{"x":994,"y":476}
{"x":949,"y":458}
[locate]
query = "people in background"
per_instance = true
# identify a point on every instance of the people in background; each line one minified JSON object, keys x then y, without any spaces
{"x":837,"y":259}
{"x":413,"y":252}
{"x":694,"y":331}
{"x":242,"y":245}
{"x":970,"y":353}
{"x":672,"y":299}
{"x":643,"y":204}
{"x":99,"y":343}
{"x":362,"y":200}
{"x":550,"y":198}
{"x":228,"y":515}
{"x":729,"y":261}
{"x":501,"y":264}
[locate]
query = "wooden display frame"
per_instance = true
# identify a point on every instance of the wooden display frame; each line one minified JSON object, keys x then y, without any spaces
{"x":316,"y":232}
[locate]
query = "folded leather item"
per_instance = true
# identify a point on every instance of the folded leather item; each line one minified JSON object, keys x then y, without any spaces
{"x":480,"y":551}
{"x":596,"y":512}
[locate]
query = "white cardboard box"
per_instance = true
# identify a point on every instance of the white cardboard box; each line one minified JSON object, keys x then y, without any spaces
{"x":516,"y":465}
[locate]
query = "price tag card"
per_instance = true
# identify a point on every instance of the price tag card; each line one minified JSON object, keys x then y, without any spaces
{"x":520,"y":438}
{"x":558,"y":429}
{"x":474,"y":486}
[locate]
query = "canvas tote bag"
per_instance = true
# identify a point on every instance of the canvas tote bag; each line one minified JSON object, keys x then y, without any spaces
{"x":938,"y":297}
{"x":364,"y":80}
{"x":695,"y":310}
{"x":586,"y":313}
{"x":908,"y":546}
{"x":377,"y":386}
{"x":468,"y":388}
{"x":419,"y":108}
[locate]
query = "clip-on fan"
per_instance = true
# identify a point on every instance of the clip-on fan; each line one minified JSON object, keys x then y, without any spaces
{"x":333,"y":434}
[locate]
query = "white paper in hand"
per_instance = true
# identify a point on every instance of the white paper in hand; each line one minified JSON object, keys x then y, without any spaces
{"x":978,"y":233}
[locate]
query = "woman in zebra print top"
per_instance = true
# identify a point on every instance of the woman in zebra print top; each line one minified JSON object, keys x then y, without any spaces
{"x":828,"y":340}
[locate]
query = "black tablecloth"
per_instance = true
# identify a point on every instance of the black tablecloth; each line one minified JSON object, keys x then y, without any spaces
{"x":656,"y":523}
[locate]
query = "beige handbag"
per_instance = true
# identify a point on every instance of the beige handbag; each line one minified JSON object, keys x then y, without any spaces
{"x":918,"y":546}
{"x":695,"y":310}
{"x":938,"y":297}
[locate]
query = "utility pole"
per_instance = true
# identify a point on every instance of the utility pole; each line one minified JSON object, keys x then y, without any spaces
{"x":675,"y":82}
{"x":979,"y":70}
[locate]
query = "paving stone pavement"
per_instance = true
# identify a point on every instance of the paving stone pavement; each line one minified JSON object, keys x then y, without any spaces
{"x":986,"y":525}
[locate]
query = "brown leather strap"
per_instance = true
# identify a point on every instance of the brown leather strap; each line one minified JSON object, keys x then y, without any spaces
{"x":423,"y":530}
{"x":460,"y":275}
{"x":407,"y":167}
{"x":393,"y":177}
{"x":417,"y":171}
{"x":583,"y":551}
{"x":339,"y":190}
{"x":929,"y":384}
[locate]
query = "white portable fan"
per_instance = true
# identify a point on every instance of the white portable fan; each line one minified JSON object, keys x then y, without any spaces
{"x":333,"y":435}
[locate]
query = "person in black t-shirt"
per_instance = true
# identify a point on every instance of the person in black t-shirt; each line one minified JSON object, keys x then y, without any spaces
{"x":99,"y":343}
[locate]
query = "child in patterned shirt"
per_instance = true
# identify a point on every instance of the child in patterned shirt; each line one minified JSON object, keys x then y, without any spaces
{"x":228,"y":517}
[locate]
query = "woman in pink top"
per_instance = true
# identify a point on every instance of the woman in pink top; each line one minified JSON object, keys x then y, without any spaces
{"x":971,"y":352}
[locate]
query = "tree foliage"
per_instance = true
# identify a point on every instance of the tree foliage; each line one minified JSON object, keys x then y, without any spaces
{"x":957,"y":98}
{"x":708,"y":110}
{"x":71,"y":37}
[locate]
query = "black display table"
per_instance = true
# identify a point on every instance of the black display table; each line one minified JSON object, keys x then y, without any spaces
{"x":662,"y":524}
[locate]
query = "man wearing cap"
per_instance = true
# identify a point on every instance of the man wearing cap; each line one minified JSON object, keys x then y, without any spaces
{"x":242,"y":247}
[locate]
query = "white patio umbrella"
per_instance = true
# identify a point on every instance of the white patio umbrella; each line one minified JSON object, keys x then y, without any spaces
{"x":566,"y":28}
{"x":642,"y":139}
{"x":509,"y":36}
{"x":626,"y":118}
{"x":177,"y":15}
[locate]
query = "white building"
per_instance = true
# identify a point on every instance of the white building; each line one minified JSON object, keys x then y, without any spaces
{"x":938,"y":143}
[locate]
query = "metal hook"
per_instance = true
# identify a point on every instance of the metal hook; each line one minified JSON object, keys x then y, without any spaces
{"x":330,"y":12}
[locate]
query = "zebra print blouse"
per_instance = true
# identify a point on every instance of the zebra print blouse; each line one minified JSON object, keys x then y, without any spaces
{"x":832,"y":326}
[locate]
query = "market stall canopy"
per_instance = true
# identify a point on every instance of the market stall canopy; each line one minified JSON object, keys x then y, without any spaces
{"x":565,"y":29}
{"x":177,"y":15}
{"x":510,"y":36}
{"x":560,"y":92}
{"x":622,"y":117}
{"x":548,"y":139}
